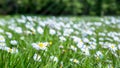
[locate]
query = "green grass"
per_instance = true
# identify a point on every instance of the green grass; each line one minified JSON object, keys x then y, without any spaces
{"x":24,"y":57}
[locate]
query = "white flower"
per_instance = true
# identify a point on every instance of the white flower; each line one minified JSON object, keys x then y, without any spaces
{"x":9,"y":34}
{"x":80,"y":44}
{"x":33,"y":30}
{"x":62,"y":38}
{"x":13,"y":50}
{"x":73,"y":48}
{"x":92,"y":46}
{"x":13,"y":42}
{"x":77,"y":40}
{"x":53,"y":58}
{"x":99,"y":54}
{"x":2,"y":39}
{"x":112,"y":47}
{"x":74,"y":60}
{"x":86,"y":40}
{"x":37,"y":57}
{"x":40,"y":30}
{"x":28,"y":25}
{"x":52,"y":31}
{"x":2,"y":44}
{"x":40,"y":46}
{"x":67,"y":32}
{"x":28,"y":32}
{"x":18,"y":30}
{"x":85,"y":50}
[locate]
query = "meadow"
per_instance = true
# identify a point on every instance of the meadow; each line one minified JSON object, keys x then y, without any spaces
{"x":59,"y":42}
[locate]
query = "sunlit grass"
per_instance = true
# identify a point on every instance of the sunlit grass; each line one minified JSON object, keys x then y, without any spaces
{"x":59,"y":42}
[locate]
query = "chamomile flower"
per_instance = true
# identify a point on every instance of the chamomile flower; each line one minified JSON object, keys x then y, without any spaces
{"x":54,"y":58}
{"x":40,"y":46}
{"x":12,"y":50}
{"x":52,"y":31}
{"x":74,"y":60}
{"x":2,"y":39}
{"x":2,"y":44}
{"x":40,"y":30}
{"x":62,"y":38}
{"x":112,"y":47}
{"x":13,"y":42}
{"x":73,"y":48}
{"x":18,"y":30}
{"x":9,"y":34}
{"x":99,"y":54}
{"x":37,"y":57}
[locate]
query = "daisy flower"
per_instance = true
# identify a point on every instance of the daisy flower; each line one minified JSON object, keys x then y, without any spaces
{"x":37,"y":57}
{"x":12,"y":50}
{"x":62,"y":38}
{"x":98,"y":54}
{"x":13,"y":42}
{"x":54,"y":58}
{"x":73,"y":48}
{"x":2,"y":39}
{"x":52,"y":31}
{"x":74,"y":60}
{"x":9,"y":34}
{"x":40,"y":30}
{"x":40,"y":46}
{"x":112,"y":47}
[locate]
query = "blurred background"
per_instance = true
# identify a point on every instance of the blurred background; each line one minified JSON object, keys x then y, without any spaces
{"x":60,"y":7}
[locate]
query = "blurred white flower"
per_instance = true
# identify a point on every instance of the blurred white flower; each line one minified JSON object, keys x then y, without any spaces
{"x":85,"y":50}
{"x":9,"y":34}
{"x":73,"y":48}
{"x":2,"y":39}
{"x":99,"y":54}
{"x":2,"y":44}
{"x":37,"y":57}
{"x":86,"y":40}
{"x":13,"y":42}
{"x":112,"y":47}
{"x":18,"y":30}
{"x":74,"y":60}
{"x":27,"y":32}
{"x":40,"y":30}
{"x":62,"y":38}
{"x":54,"y":58}
{"x":12,"y":50}
{"x":52,"y":31}
{"x":40,"y":46}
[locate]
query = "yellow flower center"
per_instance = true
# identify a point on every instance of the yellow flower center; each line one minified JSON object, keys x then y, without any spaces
{"x":75,"y":61}
{"x":1,"y":38}
{"x":10,"y":50}
{"x":112,"y":46}
{"x":41,"y":44}
{"x":81,"y":41}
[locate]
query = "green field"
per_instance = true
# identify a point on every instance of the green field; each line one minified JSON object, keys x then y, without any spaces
{"x":59,"y":42}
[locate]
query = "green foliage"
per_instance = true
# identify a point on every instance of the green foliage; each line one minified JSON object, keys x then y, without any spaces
{"x":58,"y":7}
